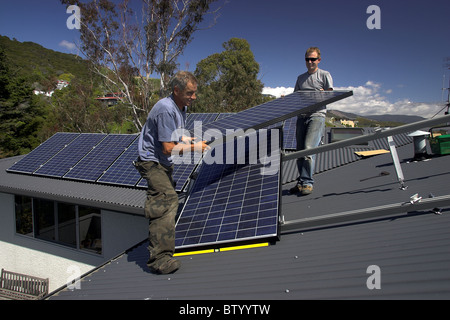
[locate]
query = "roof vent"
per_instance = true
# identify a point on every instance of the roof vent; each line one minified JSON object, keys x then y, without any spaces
{"x":420,"y":144}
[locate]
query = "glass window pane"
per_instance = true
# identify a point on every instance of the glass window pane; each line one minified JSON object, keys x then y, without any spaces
{"x":67,"y":228}
{"x":90,"y":229}
{"x":44,"y":217}
{"x":24,"y":215}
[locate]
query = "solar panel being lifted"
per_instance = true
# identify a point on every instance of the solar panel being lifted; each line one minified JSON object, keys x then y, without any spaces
{"x":236,"y":199}
{"x":270,"y":113}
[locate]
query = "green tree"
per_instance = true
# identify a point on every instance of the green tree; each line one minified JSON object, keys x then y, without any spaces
{"x":21,"y":114}
{"x":228,"y":81}
{"x":120,"y":41}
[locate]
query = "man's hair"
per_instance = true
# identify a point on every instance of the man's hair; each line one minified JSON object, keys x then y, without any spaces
{"x":311,"y":50}
{"x":181,"y":79}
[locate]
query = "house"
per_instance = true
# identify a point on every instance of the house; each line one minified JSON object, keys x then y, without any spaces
{"x":358,"y":236}
{"x":329,"y":241}
{"x":111,"y":99}
{"x":59,"y":85}
{"x":375,"y":227}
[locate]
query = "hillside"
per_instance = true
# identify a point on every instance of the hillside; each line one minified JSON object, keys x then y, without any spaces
{"x":37,"y":64}
{"x":385,"y":120}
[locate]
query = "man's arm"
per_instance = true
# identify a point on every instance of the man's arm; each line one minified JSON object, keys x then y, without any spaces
{"x":180,"y":148}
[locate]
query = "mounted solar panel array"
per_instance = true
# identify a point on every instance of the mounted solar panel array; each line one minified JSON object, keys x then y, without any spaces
{"x":234,"y":200}
{"x":93,"y":157}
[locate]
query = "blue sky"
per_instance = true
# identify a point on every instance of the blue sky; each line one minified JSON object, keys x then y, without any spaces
{"x":396,"y":69}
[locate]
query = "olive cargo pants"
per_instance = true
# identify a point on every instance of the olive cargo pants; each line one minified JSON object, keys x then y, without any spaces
{"x":161,"y":208}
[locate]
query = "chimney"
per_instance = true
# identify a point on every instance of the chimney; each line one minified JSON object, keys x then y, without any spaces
{"x":420,"y":144}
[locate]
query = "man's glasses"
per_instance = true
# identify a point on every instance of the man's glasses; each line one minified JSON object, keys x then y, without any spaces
{"x":311,"y":59}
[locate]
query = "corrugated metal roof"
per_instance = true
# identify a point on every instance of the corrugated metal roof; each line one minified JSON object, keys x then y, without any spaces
{"x":328,"y":262}
{"x":411,"y":252}
{"x":335,"y":158}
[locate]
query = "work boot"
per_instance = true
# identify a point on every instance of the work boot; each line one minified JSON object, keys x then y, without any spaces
{"x":307,"y":189}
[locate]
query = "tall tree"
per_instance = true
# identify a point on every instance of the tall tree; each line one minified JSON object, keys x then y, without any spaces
{"x":228,"y":81}
{"x":126,"y":47}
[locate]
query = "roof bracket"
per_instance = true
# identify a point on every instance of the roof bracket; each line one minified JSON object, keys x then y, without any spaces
{"x":398,"y":167}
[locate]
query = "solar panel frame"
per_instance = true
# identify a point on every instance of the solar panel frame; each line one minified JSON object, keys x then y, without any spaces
{"x":43,"y":153}
{"x":231,"y":202}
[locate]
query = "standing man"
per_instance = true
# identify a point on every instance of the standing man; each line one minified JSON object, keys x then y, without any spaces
{"x":159,"y":138}
{"x":310,"y":127}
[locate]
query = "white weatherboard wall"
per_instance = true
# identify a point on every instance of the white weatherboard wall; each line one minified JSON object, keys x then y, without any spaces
{"x":61,"y":264}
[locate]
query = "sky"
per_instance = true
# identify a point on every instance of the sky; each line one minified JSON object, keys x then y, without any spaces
{"x":397,"y":68}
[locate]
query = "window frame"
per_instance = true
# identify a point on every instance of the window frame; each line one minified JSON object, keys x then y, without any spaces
{"x":57,"y":225}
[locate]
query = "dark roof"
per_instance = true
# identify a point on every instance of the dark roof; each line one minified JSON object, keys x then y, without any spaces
{"x":324,"y":261}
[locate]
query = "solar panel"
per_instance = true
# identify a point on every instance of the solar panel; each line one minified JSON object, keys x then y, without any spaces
{"x":36,"y":158}
{"x":272,"y":112}
{"x":233,"y":200}
{"x":289,"y":133}
{"x":70,"y":155}
{"x":122,"y":171}
{"x":98,"y":160}
{"x":203,"y":117}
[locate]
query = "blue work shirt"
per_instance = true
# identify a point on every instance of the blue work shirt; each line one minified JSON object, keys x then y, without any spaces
{"x":163,"y":125}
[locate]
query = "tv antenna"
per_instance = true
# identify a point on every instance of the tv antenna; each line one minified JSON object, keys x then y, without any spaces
{"x":447,"y":104}
{"x":447,"y":66}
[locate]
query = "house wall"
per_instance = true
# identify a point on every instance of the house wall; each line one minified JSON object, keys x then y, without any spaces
{"x":23,"y":254}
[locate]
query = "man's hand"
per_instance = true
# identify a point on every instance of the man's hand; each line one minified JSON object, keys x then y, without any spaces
{"x":188,"y":140}
{"x":201,"y":147}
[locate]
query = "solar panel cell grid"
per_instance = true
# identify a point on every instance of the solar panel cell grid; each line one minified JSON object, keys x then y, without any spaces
{"x":69,"y":156}
{"x":122,"y":171}
{"x":92,"y":166}
{"x":230,"y":202}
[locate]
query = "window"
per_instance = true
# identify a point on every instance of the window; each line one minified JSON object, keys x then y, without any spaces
{"x":24,"y":217}
{"x":44,"y":218}
{"x":68,"y":224}
{"x":90,"y":229}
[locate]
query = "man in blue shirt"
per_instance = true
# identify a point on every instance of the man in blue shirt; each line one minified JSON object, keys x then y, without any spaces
{"x":161,"y":136}
{"x":310,"y":127}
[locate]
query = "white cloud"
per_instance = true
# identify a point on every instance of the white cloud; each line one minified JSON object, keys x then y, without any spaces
{"x":278,"y":91}
{"x":368,"y":100}
{"x":68,"y":45}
